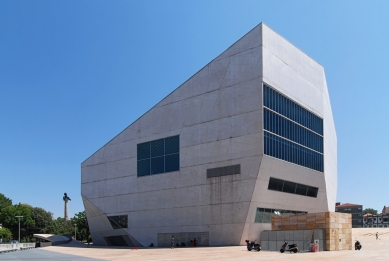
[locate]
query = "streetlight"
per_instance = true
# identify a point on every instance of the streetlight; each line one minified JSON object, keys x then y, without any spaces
{"x":75,"y":232}
{"x":19,"y":225}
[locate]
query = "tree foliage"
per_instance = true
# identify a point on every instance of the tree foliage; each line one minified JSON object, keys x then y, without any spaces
{"x":5,"y":234}
{"x":36,"y":220}
{"x":4,"y":201}
{"x":60,"y":226}
{"x":370,"y":211}
{"x":43,"y":220}
{"x":81,"y":223}
{"x":9,"y":220}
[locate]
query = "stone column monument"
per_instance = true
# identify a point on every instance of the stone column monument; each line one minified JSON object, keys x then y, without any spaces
{"x":66,"y":199}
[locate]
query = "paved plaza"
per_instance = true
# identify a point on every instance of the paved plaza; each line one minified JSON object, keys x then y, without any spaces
{"x":372,"y":249}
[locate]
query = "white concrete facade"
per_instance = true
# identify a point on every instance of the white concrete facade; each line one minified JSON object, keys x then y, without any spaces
{"x":218,"y":115}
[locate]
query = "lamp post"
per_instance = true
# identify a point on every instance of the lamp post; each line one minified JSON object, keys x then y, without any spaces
{"x":19,"y":226}
{"x":75,"y":232}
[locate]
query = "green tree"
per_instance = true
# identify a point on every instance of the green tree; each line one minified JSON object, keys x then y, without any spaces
{"x":8,"y":219}
{"x":81,"y":222}
{"x":5,"y":234}
{"x":43,"y":220}
{"x":4,"y":202}
{"x":370,"y":210}
{"x":61,"y":227}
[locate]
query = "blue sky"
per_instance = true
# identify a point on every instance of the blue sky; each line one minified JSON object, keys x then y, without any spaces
{"x":73,"y":74}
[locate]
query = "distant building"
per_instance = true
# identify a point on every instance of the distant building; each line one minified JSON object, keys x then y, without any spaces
{"x":354,"y":209}
{"x":380,"y":220}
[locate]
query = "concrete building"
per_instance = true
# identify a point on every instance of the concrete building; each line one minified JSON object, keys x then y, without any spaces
{"x":249,"y":136}
{"x":355,"y":210}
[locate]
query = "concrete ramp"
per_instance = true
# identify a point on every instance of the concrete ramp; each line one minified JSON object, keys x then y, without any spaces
{"x":51,"y":239}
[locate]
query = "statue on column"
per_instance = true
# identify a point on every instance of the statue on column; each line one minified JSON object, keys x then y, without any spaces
{"x":66,"y":199}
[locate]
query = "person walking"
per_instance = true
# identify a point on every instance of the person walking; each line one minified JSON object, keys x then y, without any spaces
{"x":172,"y":242}
{"x":376,"y":236}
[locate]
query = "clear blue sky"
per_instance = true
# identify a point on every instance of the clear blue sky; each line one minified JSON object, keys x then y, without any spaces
{"x":73,"y":74}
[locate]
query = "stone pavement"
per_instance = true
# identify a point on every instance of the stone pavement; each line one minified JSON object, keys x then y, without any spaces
{"x":372,"y":249}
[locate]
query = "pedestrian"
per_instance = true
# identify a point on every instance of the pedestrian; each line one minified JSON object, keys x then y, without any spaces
{"x":195,"y":242}
{"x":376,"y":236}
{"x":172,"y":242}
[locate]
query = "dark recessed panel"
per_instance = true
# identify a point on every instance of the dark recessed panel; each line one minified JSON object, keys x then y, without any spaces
{"x":172,"y":145}
{"x":143,"y":167}
{"x":157,"y":165}
{"x":172,"y":162}
{"x":223,"y":171}
{"x":143,"y":150}
{"x":275,"y":184}
{"x":157,"y":148}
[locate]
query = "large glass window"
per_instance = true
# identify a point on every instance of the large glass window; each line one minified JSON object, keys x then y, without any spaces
{"x":264,"y":215}
{"x":292,"y":187}
{"x":291,"y":132}
{"x":159,"y":156}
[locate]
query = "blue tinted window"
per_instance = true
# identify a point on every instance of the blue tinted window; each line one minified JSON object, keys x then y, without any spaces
{"x":300,"y":132}
{"x":158,"y":156}
{"x":172,"y":162}
{"x":144,"y":150}
{"x":157,"y":148}
{"x":157,"y":165}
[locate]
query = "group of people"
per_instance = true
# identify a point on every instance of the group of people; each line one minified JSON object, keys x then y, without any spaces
{"x":182,"y":244}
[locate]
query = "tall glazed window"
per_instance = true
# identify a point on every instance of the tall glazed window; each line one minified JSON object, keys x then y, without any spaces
{"x":291,"y":132}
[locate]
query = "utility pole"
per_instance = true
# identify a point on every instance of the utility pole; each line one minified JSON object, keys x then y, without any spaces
{"x":75,"y":231}
{"x":19,"y":225}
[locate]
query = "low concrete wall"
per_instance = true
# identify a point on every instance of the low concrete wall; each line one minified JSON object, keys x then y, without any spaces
{"x":17,"y":246}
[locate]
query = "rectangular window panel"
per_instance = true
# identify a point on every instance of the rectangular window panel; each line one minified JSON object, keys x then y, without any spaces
{"x":292,"y":187}
{"x":290,"y":130}
{"x":312,"y":192}
{"x":172,"y":145}
{"x":157,"y":165}
{"x":143,"y":150}
{"x":283,"y":105}
{"x":264,"y":215}
{"x":157,"y":148}
{"x":143,"y":167}
{"x":172,"y":162}
{"x":301,"y":190}
{"x":275,"y":184}
{"x":289,"y":187}
{"x":301,"y":156}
